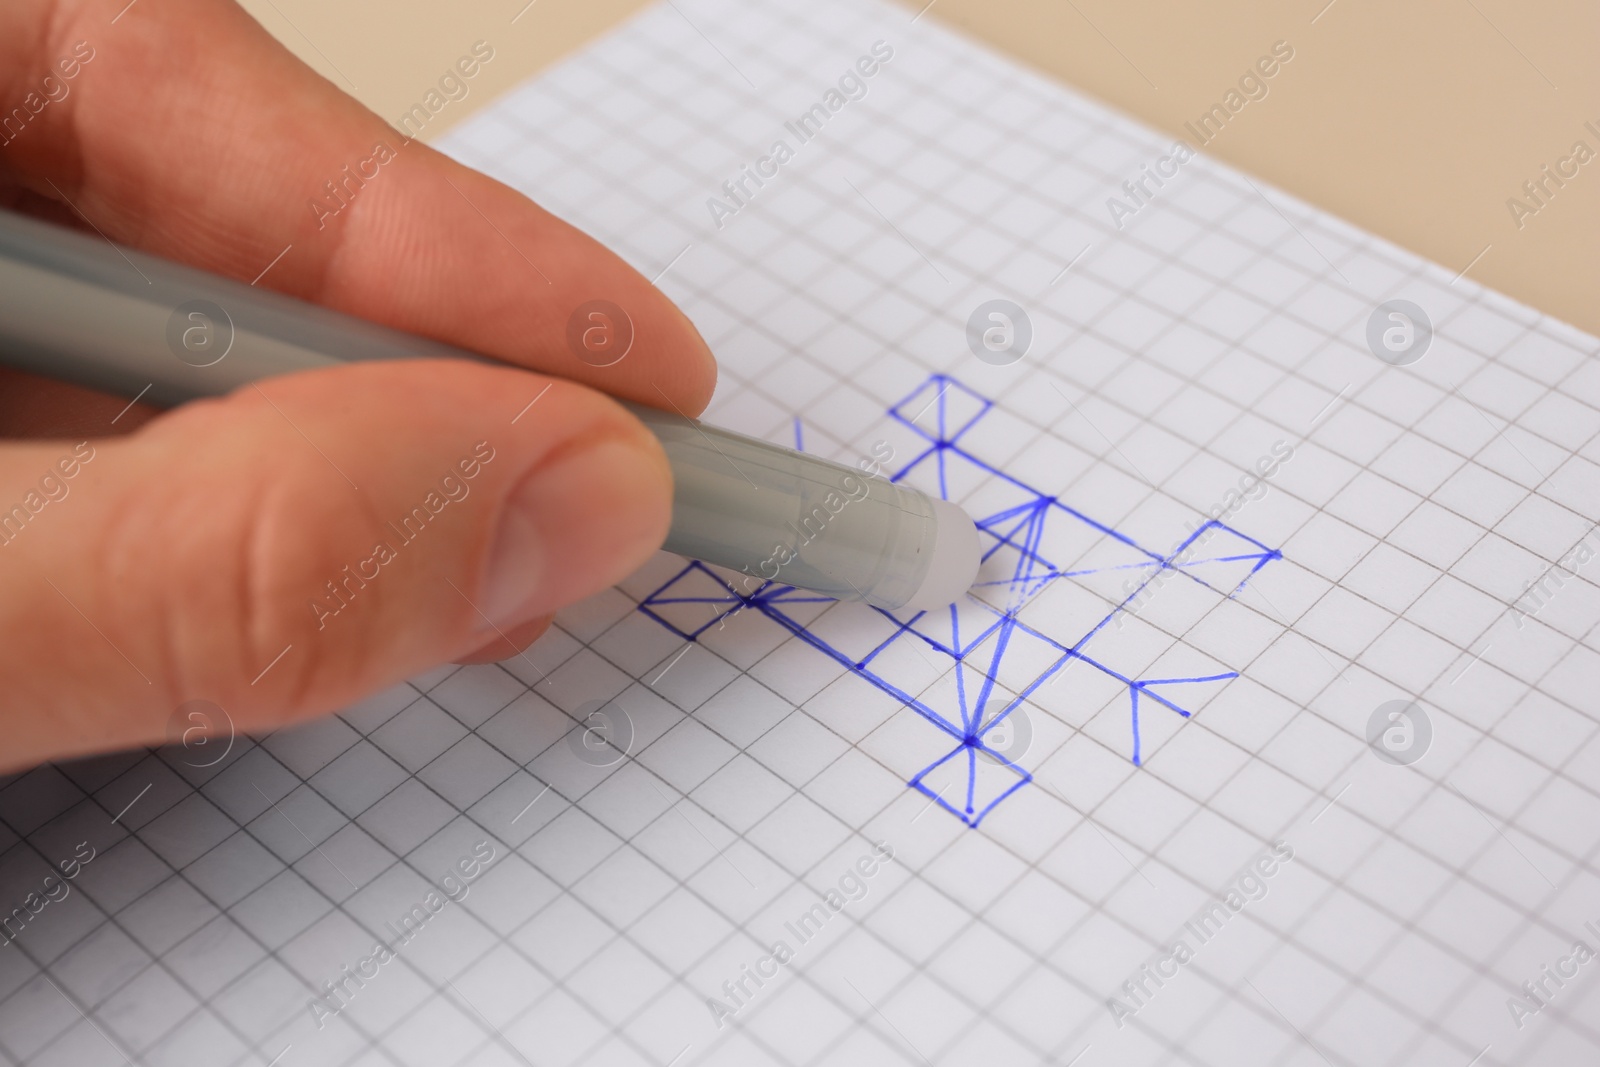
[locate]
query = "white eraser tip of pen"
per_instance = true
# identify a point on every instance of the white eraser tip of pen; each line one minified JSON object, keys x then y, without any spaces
{"x":956,"y":556}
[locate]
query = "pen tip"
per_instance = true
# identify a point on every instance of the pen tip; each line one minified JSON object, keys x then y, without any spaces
{"x":954,"y":563}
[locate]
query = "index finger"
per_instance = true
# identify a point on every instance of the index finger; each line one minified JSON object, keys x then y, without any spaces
{"x":189,"y":132}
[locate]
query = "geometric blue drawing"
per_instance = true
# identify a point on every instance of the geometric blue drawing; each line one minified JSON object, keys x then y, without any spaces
{"x":990,"y":655}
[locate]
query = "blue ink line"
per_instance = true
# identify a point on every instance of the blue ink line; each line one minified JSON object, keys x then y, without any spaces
{"x":1022,"y":529}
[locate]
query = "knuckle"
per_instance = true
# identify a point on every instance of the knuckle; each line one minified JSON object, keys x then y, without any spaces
{"x":226,"y":574}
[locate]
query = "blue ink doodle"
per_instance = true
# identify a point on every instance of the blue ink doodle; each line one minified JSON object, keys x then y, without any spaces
{"x":984,"y":646}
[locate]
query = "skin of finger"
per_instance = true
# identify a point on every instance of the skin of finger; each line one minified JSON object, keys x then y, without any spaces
{"x":186,"y":557}
{"x":512,"y":643}
{"x":219,"y":162}
{"x":31,"y":406}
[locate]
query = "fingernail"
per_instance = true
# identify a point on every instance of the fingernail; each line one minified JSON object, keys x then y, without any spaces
{"x":574,"y":526}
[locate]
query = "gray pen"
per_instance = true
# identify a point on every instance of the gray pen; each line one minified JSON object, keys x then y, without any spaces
{"x":81,"y":309}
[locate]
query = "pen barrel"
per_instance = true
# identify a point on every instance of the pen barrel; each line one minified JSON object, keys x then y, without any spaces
{"x":783,"y":516}
{"x":77,"y":307}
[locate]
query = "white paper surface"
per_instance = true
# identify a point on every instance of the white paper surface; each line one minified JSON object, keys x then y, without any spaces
{"x":1037,"y":869}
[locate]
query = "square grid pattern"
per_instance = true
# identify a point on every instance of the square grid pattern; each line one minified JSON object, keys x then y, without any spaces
{"x":227,"y":890}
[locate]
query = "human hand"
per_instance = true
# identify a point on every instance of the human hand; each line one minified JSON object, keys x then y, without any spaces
{"x":234,"y":550}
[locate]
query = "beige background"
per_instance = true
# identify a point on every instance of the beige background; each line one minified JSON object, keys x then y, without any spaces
{"x":1415,"y":120}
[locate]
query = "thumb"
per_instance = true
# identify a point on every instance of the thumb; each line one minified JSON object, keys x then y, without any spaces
{"x":306,"y":541}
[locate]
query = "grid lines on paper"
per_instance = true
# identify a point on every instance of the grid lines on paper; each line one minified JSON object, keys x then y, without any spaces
{"x":756,"y":315}
{"x":1120,"y":327}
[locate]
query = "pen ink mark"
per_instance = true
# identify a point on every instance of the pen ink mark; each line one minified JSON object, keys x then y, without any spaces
{"x":936,"y":398}
{"x":936,"y":799}
{"x":997,"y":655}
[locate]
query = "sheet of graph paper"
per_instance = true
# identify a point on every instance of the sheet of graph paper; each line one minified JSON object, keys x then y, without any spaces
{"x":1267,"y":736}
